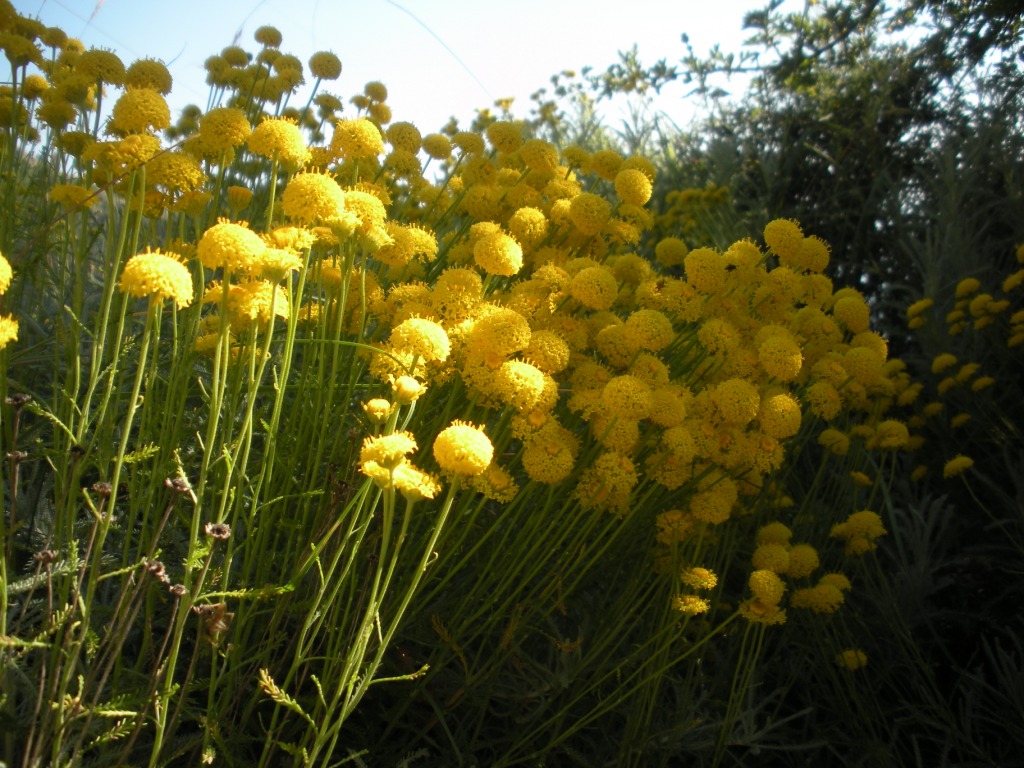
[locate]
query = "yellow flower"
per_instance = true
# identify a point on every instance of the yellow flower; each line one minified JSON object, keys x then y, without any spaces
{"x":423,"y":338}
{"x":504,"y":136}
{"x":670,"y":252}
{"x":357,"y":139}
{"x":967,"y":286}
{"x":943,"y":362}
{"x":853,"y":312}
{"x":705,"y":269}
{"x":737,"y":400}
{"x":698,"y":578}
{"x":498,"y":254}
{"x":324,"y":65}
{"x":539,"y":155}
{"x":223,"y":128}
{"x":922,"y":305}
{"x":158,"y":276}
{"x":463,"y":449}
{"x":6,"y":274}
{"x":784,"y":237}
{"x":803,"y":561}
{"x":594,"y":287}
{"x":148,"y":73}
{"x":771,"y":557}
{"x":232,"y":246}
{"x":314,"y":198}
{"x":437,"y":145}
{"x":691,"y":605}
{"x":387,"y":450}
{"x":957,"y":465}
{"x":766,"y":586}
{"x":496,"y":483}
{"x":633,"y":187}
{"x":589,"y":212}
{"x":780,"y":356}
{"x":139,"y":110}
{"x":626,"y":397}
{"x":823,"y":598}
{"x":280,"y":139}
{"x":852,"y":659}
{"x":8,"y":330}
{"x":774,"y":533}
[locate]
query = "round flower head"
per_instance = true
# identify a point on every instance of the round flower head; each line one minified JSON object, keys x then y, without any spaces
{"x":594,"y":288}
{"x":324,"y":65}
{"x":774,"y":533}
{"x":670,"y":252}
{"x":8,"y":330}
{"x":498,"y":254}
{"x":268,"y":36}
{"x":280,"y":139}
{"x":501,"y":332}
{"x":529,"y":226}
{"x":548,"y":351}
{"x":699,"y":578}
{"x":232,"y":246}
{"x":387,"y":450}
{"x":771,"y":557}
{"x":767,"y":587}
{"x":823,"y":598}
{"x":504,"y":136}
{"x":853,"y":312}
{"x":313,"y":198}
{"x":780,"y":356}
{"x":406,"y":389}
{"x":852,"y":659}
{"x":957,"y":466}
{"x":633,"y":187}
{"x":6,"y":274}
{"x":159,"y":276}
{"x":627,"y":397}
{"x":139,"y":110}
{"x":737,"y":400}
{"x":101,"y":65}
{"x":803,"y":561}
{"x":780,"y":416}
{"x":606,"y":163}
{"x":691,"y":605}
{"x":223,"y":128}
{"x":437,"y":145}
{"x":405,"y":136}
{"x":357,"y":139}
{"x":589,"y":212}
{"x":423,"y":338}
{"x":785,"y":238}
{"x":539,"y":155}
{"x":705,"y":269}
{"x":463,"y":449}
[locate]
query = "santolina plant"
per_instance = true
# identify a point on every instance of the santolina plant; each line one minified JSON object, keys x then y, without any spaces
{"x":303,"y":409}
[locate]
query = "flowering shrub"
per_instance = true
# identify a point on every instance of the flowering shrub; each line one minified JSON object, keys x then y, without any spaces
{"x":236,"y":345}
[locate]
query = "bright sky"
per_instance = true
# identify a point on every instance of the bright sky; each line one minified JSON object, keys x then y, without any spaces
{"x":438,"y":58}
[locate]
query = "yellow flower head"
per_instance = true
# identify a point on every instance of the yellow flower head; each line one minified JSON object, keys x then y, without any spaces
{"x":278,"y":138}
{"x":539,"y":155}
{"x":357,"y":139}
{"x":626,"y":397}
{"x":498,"y":254}
{"x":633,"y":187}
{"x":691,"y":605}
{"x":223,"y":128}
{"x":422,"y":338}
{"x":957,"y":465}
{"x":463,"y":449}
{"x":705,"y":269}
{"x":698,"y":578}
{"x":159,"y":276}
{"x":766,"y":586}
{"x":148,"y":73}
{"x":437,"y":145}
{"x":387,"y":450}
{"x":670,"y":252}
{"x":324,"y":65}
{"x":822,"y":598}
{"x":594,"y":288}
{"x":780,"y":416}
{"x":232,"y":246}
{"x":8,"y":330}
{"x":504,"y":136}
{"x":589,"y":212}
{"x":774,"y":533}
{"x":771,"y":557}
{"x":737,"y":400}
{"x":852,"y":659}
{"x":785,"y":238}
{"x":6,"y":274}
{"x":313,"y":198}
{"x":139,"y":110}
{"x":803,"y":561}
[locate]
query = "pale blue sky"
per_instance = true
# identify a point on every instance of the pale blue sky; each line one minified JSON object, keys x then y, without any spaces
{"x":437,"y":57}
